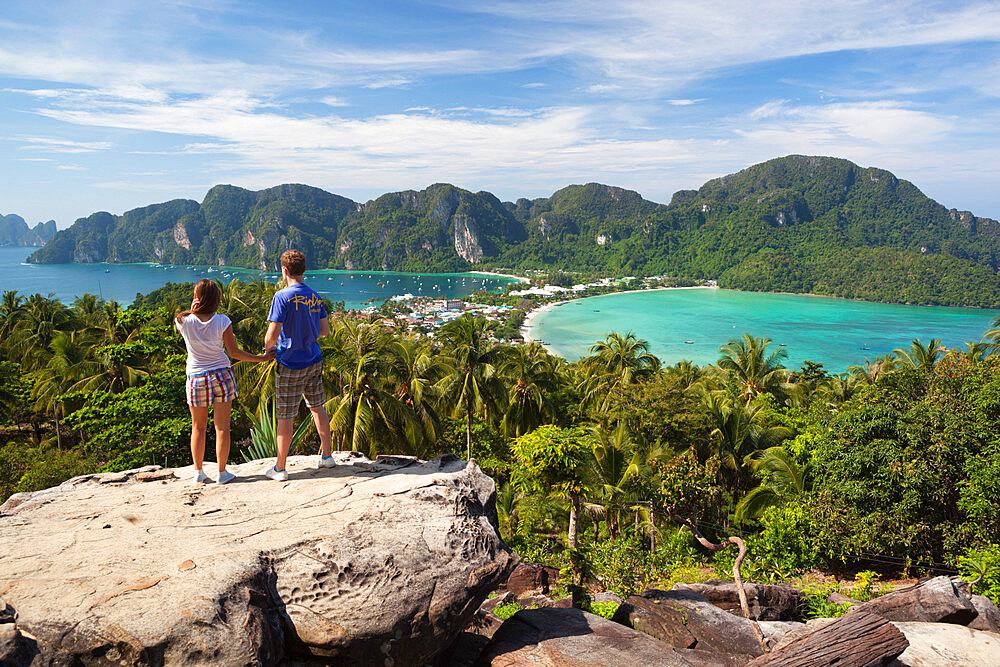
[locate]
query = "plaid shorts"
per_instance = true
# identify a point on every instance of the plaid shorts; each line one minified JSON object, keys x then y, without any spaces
{"x":292,"y":384}
{"x":204,"y":389}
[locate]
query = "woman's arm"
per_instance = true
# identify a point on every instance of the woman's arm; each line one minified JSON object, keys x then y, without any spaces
{"x":234,"y":351}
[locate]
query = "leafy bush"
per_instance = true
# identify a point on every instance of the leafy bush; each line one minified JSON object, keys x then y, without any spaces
{"x":983,"y":564}
{"x":816,"y":604}
{"x":505,"y":611}
{"x":785,"y":546}
{"x":604,"y":609}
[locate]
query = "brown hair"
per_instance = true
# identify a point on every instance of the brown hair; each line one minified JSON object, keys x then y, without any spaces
{"x":208,"y":295}
{"x":294,"y":261}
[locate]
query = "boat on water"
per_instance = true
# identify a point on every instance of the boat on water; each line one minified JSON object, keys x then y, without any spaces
{"x":689,"y":342}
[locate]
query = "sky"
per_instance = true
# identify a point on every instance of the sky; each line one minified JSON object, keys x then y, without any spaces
{"x":113,"y":105}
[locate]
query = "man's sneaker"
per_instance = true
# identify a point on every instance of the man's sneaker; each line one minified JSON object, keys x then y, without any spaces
{"x":326,"y":462}
{"x":200,"y":477}
{"x":225,"y":477}
{"x":276,"y":475}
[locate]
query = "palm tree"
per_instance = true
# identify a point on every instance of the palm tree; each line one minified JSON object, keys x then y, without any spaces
{"x":417,"y":392}
{"x":976,"y":352}
{"x":533,"y":376}
{"x":472,"y":383}
{"x":366,"y":413}
{"x":782,"y":481}
{"x":739,"y":431}
{"x":42,"y":318}
{"x":920,"y":356}
{"x":756,"y":371}
{"x":871,"y":371}
{"x":614,"y":362}
{"x":11,"y":311}
{"x":837,"y":389}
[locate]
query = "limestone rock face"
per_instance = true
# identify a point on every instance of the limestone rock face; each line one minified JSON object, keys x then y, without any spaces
{"x":366,"y":563}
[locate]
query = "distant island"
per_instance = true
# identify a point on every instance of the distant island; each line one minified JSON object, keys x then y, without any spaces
{"x":798,"y":224}
{"x":14,"y":231}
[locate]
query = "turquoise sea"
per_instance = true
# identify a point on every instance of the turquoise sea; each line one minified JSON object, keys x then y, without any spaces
{"x":834,"y":332}
{"x":121,"y":282}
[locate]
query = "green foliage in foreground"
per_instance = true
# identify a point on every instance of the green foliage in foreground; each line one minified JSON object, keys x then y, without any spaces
{"x":600,"y":464}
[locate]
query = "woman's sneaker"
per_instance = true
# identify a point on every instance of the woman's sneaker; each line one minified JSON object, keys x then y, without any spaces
{"x":225,"y":477}
{"x":276,"y":475}
{"x":326,"y":462}
{"x":200,"y":477}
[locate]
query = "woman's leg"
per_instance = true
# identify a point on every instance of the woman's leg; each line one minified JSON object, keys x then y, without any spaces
{"x":222,"y":413}
{"x":199,"y":423}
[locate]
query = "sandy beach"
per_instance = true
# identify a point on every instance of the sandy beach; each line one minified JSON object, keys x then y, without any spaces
{"x":502,"y":275}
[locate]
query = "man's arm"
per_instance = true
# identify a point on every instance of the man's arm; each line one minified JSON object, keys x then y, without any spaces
{"x":324,"y":327}
{"x":271,"y":337}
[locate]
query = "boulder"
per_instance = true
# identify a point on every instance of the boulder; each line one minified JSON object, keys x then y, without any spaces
{"x":775,"y":631}
{"x":363,"y":563}
{"x":532,"y":579}
{"x":463,"y":652}
{"x":988,"y":615}
{"x":936,"y":600}
{"x":767,"y":603}
{"x":840,"y":599}
{"x":570,"y":637}
{"x":484,"y":624}
{"x":947,"y":645}
{"x":685,"y":619}
{"x":859,"y":639}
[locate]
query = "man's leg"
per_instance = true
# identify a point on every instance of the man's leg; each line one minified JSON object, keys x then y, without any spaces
{"x":322,"y":421}
{"x":284,"y":442}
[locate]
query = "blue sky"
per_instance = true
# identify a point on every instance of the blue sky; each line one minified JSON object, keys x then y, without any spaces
{"x":112,"y":105}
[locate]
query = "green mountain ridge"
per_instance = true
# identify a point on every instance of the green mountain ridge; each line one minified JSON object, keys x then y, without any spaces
{"x":797,"y":224}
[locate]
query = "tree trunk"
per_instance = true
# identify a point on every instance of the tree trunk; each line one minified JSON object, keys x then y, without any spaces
{"x":860,"y":638}
{"x":468,"y":432}
{"x":574,"y":512}
{"x":55,"y":418}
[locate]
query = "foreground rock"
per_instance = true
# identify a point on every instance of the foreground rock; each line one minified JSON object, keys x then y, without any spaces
{"x":766,"y":602}
{"x":570,"y":637}
{"x":936,"y":600}
{"x":858,"y":639}
{"x":364,"y":563}
{"x":947,"y":645}
{"x":684,"y":619}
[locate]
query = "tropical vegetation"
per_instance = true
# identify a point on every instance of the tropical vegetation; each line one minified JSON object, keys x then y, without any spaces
{"x":600,"y":464}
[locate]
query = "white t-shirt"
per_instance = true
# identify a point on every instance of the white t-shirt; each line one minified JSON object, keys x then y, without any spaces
{"x":203,"y":340}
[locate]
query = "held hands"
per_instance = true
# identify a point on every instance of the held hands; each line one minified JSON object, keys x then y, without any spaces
{"x":270,"y":353}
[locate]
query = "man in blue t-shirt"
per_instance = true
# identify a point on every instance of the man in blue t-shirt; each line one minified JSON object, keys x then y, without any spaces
{"x":297,"y":318}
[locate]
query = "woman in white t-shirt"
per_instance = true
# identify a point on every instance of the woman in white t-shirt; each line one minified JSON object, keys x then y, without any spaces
{"x":210,"y":380}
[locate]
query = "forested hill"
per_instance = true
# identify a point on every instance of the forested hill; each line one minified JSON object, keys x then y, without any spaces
{"x":15,"y":231}
{"x":795,"y":224}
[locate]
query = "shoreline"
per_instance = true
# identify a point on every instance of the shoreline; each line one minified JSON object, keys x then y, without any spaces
{"x":519,"y":279}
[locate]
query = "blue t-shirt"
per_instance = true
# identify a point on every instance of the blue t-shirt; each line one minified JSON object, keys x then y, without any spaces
{"x":299,"y":309}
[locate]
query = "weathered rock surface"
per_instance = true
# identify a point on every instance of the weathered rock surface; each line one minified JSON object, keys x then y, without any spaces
{"x":988,"y":617}
{"x":936,"y":600}
{"x":364,"y":563}
{"x":570,"y":637}
{"x":532,"y":579}
{"x":947,"y":645}
{"x":766,"y":602}
{"x":859,"y":639}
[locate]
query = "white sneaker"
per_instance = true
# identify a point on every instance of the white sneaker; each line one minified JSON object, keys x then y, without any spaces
{"x":326,"y":462}
{"x":225,"y":477}
{"x":276,"y":475}
{"x":200,"y":477}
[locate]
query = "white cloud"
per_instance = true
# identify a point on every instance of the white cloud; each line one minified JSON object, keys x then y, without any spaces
{"x":332,"y":101}
{"x":63,"y":145}
{"x":70,"y":167}
{"x":389,"y":83}
{"x":685,"y":103}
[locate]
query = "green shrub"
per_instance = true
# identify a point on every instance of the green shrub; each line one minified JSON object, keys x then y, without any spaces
{"x":604,"y":609}
{"x":505,"y":611}
{"x":815,"y":604}
{"x":983,"y":563}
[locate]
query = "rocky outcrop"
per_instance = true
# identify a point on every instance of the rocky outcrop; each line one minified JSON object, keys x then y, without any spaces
{"x":946,"y":644}
{"x":14,"y":231}
{"x":181,"y":238}
{"x":570,"y":637}
{"x":366,"y":563}
{"x":766,"y":602}
{"x":466,"y":240}
{"x":988,"y":615}
{"x":532,"y":579}
{"x":936,"y":600}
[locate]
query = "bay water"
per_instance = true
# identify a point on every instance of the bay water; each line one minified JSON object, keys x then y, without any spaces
{"x":693,"y":323}
{"x":121,"y":282}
